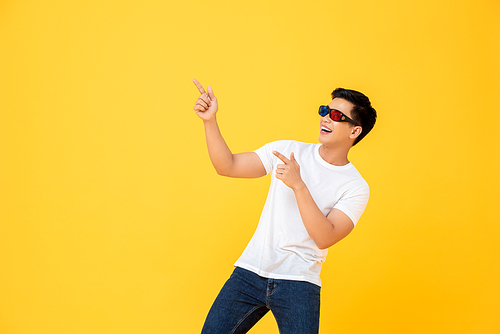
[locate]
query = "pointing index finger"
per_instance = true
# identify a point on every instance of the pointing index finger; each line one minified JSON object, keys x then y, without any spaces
{"x":281,"y":157}
{"x":199,"y":86}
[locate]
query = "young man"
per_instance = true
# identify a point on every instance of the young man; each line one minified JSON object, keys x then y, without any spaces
{"x":315,"y":199}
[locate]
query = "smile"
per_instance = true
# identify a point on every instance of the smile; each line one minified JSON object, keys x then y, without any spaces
{"x":325,"y":130}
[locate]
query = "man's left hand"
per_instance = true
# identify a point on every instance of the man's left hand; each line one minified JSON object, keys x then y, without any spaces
{"x":289,"y":171}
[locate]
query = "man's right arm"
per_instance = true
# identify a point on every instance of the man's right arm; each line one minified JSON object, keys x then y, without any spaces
{"x":241,"y":165}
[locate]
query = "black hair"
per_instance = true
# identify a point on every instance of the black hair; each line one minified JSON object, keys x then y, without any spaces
{"x":362,"y":112}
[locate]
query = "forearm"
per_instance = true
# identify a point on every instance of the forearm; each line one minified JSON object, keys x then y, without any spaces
{"x":319,"y":228}
{"x":243,"y":165}
{"x":220,"y":154}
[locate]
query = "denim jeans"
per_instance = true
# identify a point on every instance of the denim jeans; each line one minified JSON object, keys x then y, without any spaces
{"x":247,"y":297}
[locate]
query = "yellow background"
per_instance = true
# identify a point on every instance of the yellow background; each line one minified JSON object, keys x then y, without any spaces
{"x":112,"y":219}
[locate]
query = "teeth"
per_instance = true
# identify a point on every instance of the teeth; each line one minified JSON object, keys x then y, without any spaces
{"x":325,"y":129}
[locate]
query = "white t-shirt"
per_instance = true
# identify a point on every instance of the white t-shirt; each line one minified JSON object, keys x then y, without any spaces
{"x":281,"y":248}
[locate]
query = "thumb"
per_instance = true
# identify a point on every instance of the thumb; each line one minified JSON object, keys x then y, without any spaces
{"x":292,"y":157}
{"x":210,"y":93}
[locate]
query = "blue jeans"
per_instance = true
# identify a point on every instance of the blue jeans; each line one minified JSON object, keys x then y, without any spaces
{"x":247,"y":297}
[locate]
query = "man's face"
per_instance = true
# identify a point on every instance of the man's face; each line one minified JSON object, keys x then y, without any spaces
{"x":332,"y":132}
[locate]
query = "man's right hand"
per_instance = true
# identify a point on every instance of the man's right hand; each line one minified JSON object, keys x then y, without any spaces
{"x":206,"y":106}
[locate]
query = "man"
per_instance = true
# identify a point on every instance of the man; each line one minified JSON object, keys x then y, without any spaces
{"x":315,"y":199}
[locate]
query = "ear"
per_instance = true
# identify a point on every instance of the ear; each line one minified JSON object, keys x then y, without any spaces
{"x":355,"y":132}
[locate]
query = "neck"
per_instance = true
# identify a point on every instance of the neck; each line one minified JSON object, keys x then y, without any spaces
{"x":334,"y":155}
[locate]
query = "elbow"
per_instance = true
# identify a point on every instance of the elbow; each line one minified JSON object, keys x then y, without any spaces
{"x":326,"y":240}
{"x":222,"y":172}
{"x":325,"y":244}
{"x":224,"y":169}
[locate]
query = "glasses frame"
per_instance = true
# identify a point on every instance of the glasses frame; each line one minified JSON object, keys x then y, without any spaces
{"x":326,"y":110}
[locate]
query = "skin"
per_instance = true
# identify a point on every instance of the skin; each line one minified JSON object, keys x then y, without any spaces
{"x":325,"y":231}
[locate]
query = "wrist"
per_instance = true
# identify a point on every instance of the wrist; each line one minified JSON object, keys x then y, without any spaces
{"x":210,"y":121}
{"x":300,"y":187}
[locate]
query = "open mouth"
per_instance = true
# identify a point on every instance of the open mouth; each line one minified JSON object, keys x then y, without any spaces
{"x":325,"y":130}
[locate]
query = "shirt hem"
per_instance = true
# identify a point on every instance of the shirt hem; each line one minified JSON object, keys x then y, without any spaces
{"x":266,"y":274}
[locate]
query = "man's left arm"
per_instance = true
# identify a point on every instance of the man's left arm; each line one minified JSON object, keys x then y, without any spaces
{"x":325,"y":231}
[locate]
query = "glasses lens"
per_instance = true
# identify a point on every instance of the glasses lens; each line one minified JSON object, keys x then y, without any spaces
{"x":335,"y":115}
{"x":323,"y":110}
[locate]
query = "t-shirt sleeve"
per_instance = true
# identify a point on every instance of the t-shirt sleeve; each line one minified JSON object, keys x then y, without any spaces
{"x":353,"y":202}
{"x":266,"y":155}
